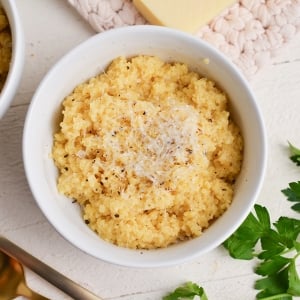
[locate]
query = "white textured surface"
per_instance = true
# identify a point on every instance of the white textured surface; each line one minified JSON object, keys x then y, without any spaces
{"x":51,"y":29}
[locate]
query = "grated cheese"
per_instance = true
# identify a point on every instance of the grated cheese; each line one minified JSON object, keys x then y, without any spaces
{"x":162,"y":139}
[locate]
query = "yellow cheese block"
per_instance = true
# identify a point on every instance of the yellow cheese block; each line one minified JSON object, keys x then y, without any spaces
{"x":186,"y":15}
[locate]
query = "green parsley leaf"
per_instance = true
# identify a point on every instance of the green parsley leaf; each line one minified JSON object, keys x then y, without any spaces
{"x":263,"y":217}
{"x":288,"y":229}
{"x":294,"y":280}
{"x":271,"y":245}
{"x":272,"y":266}
{"x":278,"y":243}
{"x":293,"y":194}
{"x":239,"y":249}
{"x":276,"y":284}
{"x":188,"y":291}
{"x":295,"y":154}
{"x":241,"y":244}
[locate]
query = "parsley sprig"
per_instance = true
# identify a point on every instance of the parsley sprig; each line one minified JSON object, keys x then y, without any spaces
{"x":293,"y":191}
{"x":276,"y":247}
{"x":293,"y":194}
{"x":187,"y":291}
{"x":295,"y":154}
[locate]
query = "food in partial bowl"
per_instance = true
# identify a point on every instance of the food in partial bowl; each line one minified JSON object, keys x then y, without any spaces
{"x":5,"y":46}
{"x":140,"y":143}
{"x":12,"y":53}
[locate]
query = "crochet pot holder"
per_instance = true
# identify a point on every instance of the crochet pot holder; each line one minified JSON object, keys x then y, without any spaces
{"x":250,"y":32}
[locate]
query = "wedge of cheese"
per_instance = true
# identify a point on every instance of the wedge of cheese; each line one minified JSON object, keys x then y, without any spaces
{"x":186,"y":15}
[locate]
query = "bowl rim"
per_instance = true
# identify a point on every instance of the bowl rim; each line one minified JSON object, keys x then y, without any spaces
{"x":138,"y":263}
{"x":18,"y":56}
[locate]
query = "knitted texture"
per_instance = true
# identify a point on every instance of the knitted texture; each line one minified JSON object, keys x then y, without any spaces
{"x":250,"y":32}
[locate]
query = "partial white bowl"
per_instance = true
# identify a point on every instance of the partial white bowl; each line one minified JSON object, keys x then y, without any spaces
{"x":92,"y":57}
{"x":18,"y":54}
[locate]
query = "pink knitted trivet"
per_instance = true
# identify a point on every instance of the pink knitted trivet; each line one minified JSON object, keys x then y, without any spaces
{"x":250,"y":32}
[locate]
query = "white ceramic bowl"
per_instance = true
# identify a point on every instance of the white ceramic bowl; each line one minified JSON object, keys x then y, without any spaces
{"x":92,"y":57}
{"x":18,"y":55}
